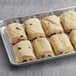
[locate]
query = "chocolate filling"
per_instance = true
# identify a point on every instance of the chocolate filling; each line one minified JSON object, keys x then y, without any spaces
{"x":41,"y":36}
{"x":49,"y":55}
{"x":18,"y":28}
{"x":34,"y":38}
{"x":53,"y":34}
{"x":48,"y":23}
{"x":19,"y":48}
{"x":61,"y":52}
{"x":30,"y":23}
{"x":24,"y":61}
{"x":43,"y":56}
{"x":21,"y":35}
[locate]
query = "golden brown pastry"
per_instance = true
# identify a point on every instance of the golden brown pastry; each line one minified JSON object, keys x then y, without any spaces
{"x":15,"y":32}
{"x":68,"y":20}
{"x":33,"y":28}
{"x":73,"y":38}
{"x":61,"y":44}
{"x":51,"y":25}
{"x":23,"y":51}
{"x":42,"y":48}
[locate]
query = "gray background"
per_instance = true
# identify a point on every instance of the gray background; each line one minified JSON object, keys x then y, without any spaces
{"x":16,"y":8}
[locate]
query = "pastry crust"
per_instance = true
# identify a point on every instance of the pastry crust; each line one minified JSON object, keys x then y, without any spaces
{"x":61,"y":44}
{"x":68,"y":20}
{"x":23,"y":51}
{"x":73,"y":38}
{"x":42,"y":48}
{"x":15,"y":32}
{"x":51,"y":25}
{"x":33,"y":28}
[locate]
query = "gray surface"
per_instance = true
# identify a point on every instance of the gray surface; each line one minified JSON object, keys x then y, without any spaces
{"x":17,"y":8}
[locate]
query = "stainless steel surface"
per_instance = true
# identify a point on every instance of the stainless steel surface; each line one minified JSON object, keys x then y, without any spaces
{"x":8,"y":46}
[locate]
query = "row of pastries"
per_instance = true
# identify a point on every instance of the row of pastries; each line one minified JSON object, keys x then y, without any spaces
{"x":52,"y":35}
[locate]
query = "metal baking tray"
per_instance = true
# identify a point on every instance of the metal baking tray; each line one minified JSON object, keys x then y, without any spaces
{"x":8,"y":46}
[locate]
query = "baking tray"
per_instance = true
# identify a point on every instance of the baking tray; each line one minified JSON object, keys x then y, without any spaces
{"x":8,"y":46}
